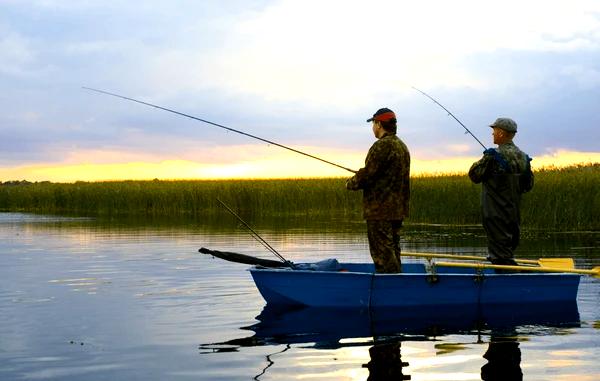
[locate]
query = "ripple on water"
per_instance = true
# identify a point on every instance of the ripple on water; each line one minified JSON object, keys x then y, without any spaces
{"x":146,"y":305}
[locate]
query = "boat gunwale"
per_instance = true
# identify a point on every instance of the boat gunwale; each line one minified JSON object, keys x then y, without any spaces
{"x":489,"y":272}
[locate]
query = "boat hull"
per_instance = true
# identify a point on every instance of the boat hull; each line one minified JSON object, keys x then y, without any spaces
{"x":356,"y":285}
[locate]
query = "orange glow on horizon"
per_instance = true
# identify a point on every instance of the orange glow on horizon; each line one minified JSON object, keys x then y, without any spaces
{"x":280,"y":165}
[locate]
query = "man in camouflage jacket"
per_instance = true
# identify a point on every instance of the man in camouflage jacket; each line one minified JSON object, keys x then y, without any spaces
{"x":386,"y":191}
{"x":505,"y":174}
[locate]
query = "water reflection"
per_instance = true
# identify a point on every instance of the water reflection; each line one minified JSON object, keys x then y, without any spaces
{"x":141,"y":298}
{"x":305,"y":234}
{"x":385,"y":330}
{"x":271,"y":362}
{"x":504,"y":359}
{"x":386,"y":361}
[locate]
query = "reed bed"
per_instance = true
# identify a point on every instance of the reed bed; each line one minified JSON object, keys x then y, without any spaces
{"x":562,"y":199}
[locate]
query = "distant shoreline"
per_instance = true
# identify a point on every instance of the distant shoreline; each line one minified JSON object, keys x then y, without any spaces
{"x":562,"y":199}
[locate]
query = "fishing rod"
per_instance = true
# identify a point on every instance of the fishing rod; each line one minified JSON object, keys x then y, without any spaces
{"x":256,"y":235}
{"x":451,"y":114}
{"x":220,"y":126}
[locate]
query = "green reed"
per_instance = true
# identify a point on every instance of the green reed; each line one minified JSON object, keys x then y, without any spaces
{"x":565,"y":199}
{"x":306,"y":196}
{"x":562,"y":199}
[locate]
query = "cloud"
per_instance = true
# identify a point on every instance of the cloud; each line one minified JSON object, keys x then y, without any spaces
{"x":303,"y":74}
{"x":297,"y":52}
{"x":585,"y":77}
{"x":15,"y":54}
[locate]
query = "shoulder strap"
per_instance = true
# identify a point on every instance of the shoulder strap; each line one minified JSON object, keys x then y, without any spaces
{"x":500,"y":159}
{"x":526,"y":180}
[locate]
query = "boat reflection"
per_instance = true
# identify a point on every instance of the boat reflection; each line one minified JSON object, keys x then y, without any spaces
{"x":327,"y":327}
{"x":383,"y":331}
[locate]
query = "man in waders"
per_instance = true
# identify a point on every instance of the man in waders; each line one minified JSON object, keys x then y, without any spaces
{"x":386,"y":191}
{"x":505,"y":174}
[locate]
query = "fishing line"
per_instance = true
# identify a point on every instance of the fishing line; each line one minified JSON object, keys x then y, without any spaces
{"x":256,"y":235}
{"x":220,"y":126}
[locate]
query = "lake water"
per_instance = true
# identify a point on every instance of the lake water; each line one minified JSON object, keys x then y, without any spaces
{"x":85,"y":299}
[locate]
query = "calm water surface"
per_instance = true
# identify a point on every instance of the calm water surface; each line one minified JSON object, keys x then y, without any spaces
{"x":82,"y":299}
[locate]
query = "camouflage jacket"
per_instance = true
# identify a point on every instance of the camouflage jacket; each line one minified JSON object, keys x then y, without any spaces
{"x":384,"y":180}
{"x":505,"y":175}
{"x":507,"y":160}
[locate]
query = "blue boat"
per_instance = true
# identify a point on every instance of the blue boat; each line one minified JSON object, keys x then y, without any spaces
{"x":356,"y":285}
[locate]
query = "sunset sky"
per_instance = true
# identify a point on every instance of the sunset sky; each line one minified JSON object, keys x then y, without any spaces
{"x":306,"y":74}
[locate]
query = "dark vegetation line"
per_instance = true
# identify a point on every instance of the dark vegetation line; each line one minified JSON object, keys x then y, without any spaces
{"x":562,"y":199}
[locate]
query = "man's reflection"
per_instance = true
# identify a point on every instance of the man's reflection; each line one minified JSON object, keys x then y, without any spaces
{"x":386,"y":362}
{"x":504,"y":359}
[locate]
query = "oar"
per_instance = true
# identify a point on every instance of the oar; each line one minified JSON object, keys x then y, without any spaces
{"x":568,"y":263}
{"x":243,"y":258}
{"x":595,"y":272}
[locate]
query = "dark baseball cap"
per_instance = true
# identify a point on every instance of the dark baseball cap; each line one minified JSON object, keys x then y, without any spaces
{"x":383,"y":115}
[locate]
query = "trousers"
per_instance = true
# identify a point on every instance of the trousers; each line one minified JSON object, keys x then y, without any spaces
{"x":384,"y":245}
